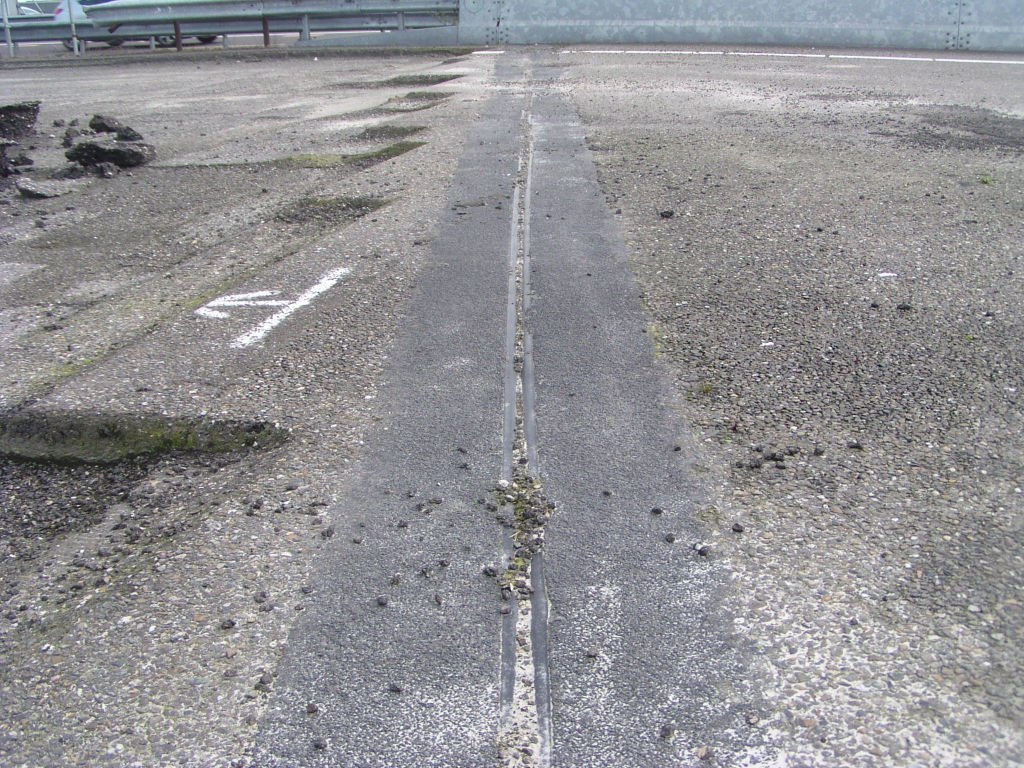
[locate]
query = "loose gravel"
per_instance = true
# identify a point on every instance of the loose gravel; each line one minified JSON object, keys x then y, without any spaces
{"x":146,"y":604}
{"x":829,"y":255}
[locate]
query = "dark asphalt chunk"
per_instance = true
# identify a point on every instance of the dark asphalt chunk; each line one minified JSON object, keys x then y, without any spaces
{"x":443,"y":390}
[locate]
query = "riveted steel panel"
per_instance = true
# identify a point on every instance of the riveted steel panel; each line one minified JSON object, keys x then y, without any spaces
{"x":996,"y":25}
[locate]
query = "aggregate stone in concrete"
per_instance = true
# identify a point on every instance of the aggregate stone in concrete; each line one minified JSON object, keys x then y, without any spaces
{"x":834,"y":296}
{"x":147,"y":605}
{"x":836,"y":293}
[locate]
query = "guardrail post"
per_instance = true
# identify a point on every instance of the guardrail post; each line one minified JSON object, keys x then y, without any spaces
{"x":224,"y":41}
{"x":401,"y":20}
{"x":78,"y":46}
{"x":266,"y":32}
{"x":7,"y":30}
{"x":152,"y":43}
{"x":177,"y":37}
{"x":304,"y":34}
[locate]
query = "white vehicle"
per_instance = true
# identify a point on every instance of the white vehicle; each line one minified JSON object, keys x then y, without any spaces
{"x":37,"y":7}
{"x":85,"y":30}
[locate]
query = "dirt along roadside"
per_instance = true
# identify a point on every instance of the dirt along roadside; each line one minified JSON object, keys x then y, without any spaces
{"x":829,"y":252}
{"x":236,"y":294}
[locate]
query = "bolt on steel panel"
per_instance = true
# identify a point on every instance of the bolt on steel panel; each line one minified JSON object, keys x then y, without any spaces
{"x":996,"y":25}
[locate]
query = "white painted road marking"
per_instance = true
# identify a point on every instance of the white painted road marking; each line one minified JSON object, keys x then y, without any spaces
{"x":258,"y":299}
{"x":239,"y":300}
{"x":946,"y":59}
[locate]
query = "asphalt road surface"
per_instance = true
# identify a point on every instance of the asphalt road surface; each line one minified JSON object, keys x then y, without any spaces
{"x":571,"y":408}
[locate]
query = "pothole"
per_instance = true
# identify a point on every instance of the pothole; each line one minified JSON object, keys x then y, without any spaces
{"x":412,"y":81}
{"x":415,"y":101}
{"x":403,"y":81}
{"x":389,"y":132}
{"x":98,"y":438}
{"x":358,"y":160}
{"x":328,"y":210}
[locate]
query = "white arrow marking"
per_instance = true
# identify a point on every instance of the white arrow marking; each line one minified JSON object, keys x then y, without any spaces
{"x":204,"y":312}
{"x":239,"y":300}
{"x":236,"y":297}
{"x":288,"y":308}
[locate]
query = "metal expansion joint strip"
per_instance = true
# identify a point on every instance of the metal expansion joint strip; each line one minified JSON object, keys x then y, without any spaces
{"x":525,"y":728}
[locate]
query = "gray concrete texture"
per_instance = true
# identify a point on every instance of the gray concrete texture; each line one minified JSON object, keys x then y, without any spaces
{"x":774,"y":305}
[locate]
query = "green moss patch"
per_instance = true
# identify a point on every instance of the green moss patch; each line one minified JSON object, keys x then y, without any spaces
{"x":389,"y":132}
{"x":403,"y":81}
{"x":358,"y":159}
{"x":414,"y":101}
{"x":412,"y":81}
{"x":98,"y":438}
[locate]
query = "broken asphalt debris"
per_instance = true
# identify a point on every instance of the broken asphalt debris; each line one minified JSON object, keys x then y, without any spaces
{"x":6,"y":167}
{"x":530,"y":512}
{"x":18,"y":120}
{"x":104,"y":157}
{"x":524,"y":510}
{"x":93,"y":153}
{"x":106,"y":124}
{"x":42,"y":190}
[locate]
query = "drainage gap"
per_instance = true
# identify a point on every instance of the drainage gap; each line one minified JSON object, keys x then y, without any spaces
{"x":524,"y":736}
{"x":525,"y":728}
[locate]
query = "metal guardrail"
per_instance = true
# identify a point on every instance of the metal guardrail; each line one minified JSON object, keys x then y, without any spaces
{"x":147,"y":11}
{"x":986,"y":25}
{"x":146,"y":19}
{"x":964,"y":25}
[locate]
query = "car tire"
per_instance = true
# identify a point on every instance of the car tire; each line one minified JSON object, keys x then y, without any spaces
{"x":206,"y":39}
{"x":116,"y":42}
{"x":165,"y":41}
